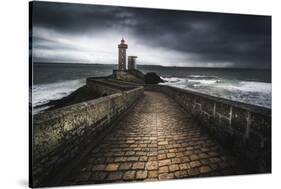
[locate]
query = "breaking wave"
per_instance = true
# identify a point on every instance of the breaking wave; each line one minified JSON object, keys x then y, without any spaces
{"x":43,"y":93}
{"x":251,"y":92}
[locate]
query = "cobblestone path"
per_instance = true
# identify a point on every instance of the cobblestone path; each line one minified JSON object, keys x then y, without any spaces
{"x":155,"y":141}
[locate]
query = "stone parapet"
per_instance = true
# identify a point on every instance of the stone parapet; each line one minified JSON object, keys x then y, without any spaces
{"x":60,"y":135}
{"x":243,"y":129}
{"x":129,"y":76}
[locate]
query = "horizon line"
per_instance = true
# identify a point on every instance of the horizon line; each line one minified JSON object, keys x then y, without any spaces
{"x":84,"y":63}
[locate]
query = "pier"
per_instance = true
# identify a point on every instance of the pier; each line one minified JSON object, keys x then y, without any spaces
{"x":149,"y":132}
{"x":155,"y":141}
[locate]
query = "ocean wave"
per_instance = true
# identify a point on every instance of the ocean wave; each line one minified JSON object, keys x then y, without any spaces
{"x":251,"y":86}
{"x":251,"y":92}
{"x":43,"y":93}
{"x":202,"y":77}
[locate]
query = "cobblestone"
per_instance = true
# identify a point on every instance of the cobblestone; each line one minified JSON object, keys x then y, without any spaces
{"x":141,"y":174}
{"x":138,"y":165}
{"x":112,"y":167}
{"x":129,"y":175}
{"x":125,"y":166}
{"x":155,"y":141}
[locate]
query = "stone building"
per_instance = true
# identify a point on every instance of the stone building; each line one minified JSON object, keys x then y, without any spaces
{"x":132,"y":63}
{"x":122,"y":73}
{"x":122,"y":55}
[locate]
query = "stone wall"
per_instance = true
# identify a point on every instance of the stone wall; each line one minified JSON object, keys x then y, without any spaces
{"x":61,"y":134}
{"x":100,"y":88}
{"x":243,"y":129}
{"x":105,"y":87}
{"x":127,"y":76}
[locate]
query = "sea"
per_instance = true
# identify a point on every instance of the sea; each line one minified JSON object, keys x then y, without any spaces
{"x":253,"y":86}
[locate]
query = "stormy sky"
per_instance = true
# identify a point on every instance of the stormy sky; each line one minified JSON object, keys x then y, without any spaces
{"x":77,"y":33}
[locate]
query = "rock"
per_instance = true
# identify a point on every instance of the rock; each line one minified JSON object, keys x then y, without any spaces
{"x":80,"y":95}
{"x":152,"y":78}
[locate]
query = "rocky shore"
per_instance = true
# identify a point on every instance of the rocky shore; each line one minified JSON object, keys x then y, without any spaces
{"x":84,"y":93}
{"x":152,"y":78}
{"x":80,"y":95}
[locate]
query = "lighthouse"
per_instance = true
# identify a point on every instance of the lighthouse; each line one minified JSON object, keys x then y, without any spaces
{"x":127,"y":73}
{"x":122,"y":47}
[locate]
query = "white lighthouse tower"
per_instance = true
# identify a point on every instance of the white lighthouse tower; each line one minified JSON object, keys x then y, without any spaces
{"x":122,"y":55}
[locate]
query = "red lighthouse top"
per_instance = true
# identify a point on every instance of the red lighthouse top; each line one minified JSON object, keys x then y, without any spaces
{"x":123,"y":44}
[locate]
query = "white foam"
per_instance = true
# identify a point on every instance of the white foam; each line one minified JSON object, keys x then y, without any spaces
{"x":251,"y":92}
{"x":253,"y":86}
{"x":204,"y":81}
{"x":196,"y":76}
{"x":173,"y":79}
{"x":43,"y":93}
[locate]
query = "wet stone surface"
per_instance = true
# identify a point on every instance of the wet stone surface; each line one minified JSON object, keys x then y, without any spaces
{"x":155,"y":141}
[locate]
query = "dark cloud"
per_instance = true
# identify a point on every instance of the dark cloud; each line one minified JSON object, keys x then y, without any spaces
{"x":46,"y":44}
{"x":76,"y":18}
{"x":243,"y":40}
